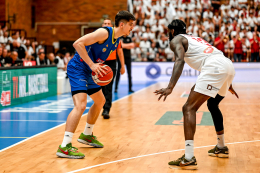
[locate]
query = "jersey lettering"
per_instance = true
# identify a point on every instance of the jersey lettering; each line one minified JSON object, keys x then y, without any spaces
{"x":200,"y":40}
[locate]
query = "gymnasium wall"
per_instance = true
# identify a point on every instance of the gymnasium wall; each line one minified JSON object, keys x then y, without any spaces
{"x":56,"y":11}
{"x":22,"y":9}
{"x":71,"y":11}
{"x":2,"y":10}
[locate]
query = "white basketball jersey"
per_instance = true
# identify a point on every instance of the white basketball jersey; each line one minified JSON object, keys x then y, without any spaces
{"x":198,"y":51}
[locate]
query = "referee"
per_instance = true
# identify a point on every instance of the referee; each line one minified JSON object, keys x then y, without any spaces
{"x":111,"y":62}
{"x":127,"y":45}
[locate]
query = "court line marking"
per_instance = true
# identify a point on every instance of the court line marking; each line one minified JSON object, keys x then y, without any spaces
{"x":37,"y":120}
{"x":65,"y":122}
{"x":130,"y":158}
{"x":14,"y":137}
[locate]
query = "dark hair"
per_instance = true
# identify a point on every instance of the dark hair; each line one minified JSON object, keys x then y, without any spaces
{"x":123,"y":15}
{"x":179,"y":27}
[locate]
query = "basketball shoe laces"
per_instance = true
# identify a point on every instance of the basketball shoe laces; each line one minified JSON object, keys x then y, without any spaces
{"x":73,"y":149}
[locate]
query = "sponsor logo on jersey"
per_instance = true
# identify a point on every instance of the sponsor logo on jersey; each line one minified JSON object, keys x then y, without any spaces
{"x":208,"y":50}
{"x":104,"y":49}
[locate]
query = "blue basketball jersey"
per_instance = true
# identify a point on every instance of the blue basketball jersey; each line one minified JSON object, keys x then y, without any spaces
{"x":98,"y":53}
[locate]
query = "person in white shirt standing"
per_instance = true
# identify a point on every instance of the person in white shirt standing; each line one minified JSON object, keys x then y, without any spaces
{"x":217,"y":73}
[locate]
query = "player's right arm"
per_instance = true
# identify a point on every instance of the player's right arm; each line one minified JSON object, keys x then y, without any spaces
{"x":99,"y":36}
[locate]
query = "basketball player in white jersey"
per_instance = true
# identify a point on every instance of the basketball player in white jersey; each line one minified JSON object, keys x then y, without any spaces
{"x":217,"y":73}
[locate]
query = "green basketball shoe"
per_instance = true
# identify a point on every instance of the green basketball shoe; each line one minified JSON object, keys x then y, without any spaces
{"x":184,"y":164}
{"x":217,"y":152}
{"x":69,"y":152}
{"x":90,"y":140}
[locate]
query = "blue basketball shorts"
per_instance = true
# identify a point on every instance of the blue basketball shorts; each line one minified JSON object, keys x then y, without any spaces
{"x":80,"y":78}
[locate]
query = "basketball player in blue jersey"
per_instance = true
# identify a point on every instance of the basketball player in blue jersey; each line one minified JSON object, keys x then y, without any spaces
{"x":92,"y":50}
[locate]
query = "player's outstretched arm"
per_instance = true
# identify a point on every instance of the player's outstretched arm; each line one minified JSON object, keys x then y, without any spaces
{"x":177,"y":46}
{"x":100,"y":36}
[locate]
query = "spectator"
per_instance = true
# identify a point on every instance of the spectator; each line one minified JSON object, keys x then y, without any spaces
{"x":60,"y":63}
{"x":215,"y":4}
{"x":254,"y":48}
{"x":170,"y":54}
{"x":246,"y":48}
{"x":51,"y":59}
{"x":40,"y":60}
{"x":13,"y":60}
{"x":66,"y":58}
{"x":219,"y":43}
{"x":153,"y":53}
{"x":144,"y":46}
{"x":16,"y":46}
{"x":30,"y":49}
{"x":238,"y":49}
{"x":242,"y":3}
{"x":207,"y":13}
{"x":136,"y":54}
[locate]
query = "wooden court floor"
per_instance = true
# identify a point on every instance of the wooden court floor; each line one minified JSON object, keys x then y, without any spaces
{"x":135,"y":143}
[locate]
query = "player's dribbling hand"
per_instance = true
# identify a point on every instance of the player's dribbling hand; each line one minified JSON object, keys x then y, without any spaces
{"x":97,"y":68}
{"x":163,"y":92}
{"x":232,"y":91}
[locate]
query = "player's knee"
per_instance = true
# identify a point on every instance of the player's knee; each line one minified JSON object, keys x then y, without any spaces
{"x":186,"y":108}
{"x":81,"y":107}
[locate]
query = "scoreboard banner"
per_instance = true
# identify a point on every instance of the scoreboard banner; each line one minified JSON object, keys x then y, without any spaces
{"x":20,"y":85}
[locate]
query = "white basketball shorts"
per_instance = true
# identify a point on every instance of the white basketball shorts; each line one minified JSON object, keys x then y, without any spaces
{"x":216,"y":76}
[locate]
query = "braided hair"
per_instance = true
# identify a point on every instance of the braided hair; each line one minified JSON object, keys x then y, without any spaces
{"x":179,"y":27}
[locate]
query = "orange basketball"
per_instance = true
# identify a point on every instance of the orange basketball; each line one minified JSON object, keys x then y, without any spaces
{"x":106,"y":79}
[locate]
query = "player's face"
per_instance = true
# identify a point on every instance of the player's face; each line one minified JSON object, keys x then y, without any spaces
{"x":128,"y":27}
{"x":107,"y":23}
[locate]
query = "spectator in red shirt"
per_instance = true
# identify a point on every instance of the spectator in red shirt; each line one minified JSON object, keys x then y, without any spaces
{"x":238,"y":49}
{"x":254,"y":48}
{"x":218,"y":43}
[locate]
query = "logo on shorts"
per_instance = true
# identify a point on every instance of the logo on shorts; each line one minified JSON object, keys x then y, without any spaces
{"x":210,"y":87}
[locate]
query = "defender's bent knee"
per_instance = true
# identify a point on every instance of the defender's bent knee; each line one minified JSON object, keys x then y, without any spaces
{"x":81,"y":107}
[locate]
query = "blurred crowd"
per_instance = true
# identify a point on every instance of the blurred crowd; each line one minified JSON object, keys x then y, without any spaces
{"x":233,"y":27}
{"x":15,"y":50}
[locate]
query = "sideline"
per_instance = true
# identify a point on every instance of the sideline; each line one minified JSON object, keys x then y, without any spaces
{"x":65,"y":122}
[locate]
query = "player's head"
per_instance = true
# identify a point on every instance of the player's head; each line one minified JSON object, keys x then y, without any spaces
{"x":176,"y":27}
{"x":107,"y":22}
{"x":125,"y":21}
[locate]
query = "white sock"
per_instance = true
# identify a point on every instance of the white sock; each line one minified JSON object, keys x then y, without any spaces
{"x":67,"y":138}
{"x":189,"y":149}
{"x":88,"y":129}
{"x":221,"y":141}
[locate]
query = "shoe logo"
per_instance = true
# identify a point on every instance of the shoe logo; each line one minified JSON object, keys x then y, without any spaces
{"x":218,"y":139}
{"x":184,"y":164}
{"x":65,"y":152}
{"x":89,"y":140}
{"x":188,"y":145}
{"x":67,"y":135}
{"x":216,"y":152}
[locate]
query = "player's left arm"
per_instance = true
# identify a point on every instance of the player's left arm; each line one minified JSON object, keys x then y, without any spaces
{"x":177,"y":46}
{"x":121,"y":58}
